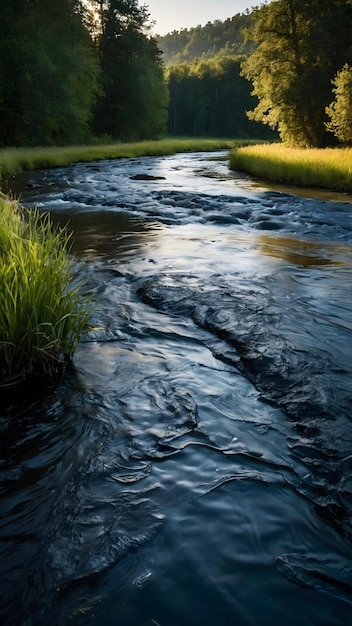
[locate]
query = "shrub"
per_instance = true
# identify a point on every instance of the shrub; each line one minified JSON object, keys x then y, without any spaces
{"x":340,"y":110}
{"x":42,"y":316}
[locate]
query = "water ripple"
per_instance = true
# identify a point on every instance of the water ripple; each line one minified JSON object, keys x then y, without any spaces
{"x":197,"y":455}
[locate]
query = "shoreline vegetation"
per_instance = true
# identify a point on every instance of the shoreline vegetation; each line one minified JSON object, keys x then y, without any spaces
{"x":324,"y":168}
{"x":42,"y":314}
{"x":15,"y":160}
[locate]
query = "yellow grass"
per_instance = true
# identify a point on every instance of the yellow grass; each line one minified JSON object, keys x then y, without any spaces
{"x":329,"y":168}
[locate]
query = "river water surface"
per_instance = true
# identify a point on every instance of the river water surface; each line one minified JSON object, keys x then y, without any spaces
{"x":194,"y":465}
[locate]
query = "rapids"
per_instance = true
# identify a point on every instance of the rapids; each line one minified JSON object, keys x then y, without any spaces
{"x":194,"y":465}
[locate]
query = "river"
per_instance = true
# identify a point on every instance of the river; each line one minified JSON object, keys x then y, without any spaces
{"x":194,"y":465}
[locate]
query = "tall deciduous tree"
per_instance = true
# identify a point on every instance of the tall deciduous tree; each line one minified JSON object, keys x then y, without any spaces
{"x":134,"y":100}
{"x":48,"y":72}
{"x":301,"y":45}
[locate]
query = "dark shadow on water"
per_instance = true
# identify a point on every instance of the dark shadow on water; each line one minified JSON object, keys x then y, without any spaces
{"x":106,"y":235}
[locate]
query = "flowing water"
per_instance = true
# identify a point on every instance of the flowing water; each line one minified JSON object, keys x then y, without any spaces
{"x":194,"y":465}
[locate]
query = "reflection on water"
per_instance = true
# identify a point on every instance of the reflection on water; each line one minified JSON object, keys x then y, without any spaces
{"x":193,"y":467}
{"x":301,"y":252}
{"x":108,"y":236}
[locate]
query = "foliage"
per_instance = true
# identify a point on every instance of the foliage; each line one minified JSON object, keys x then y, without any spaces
{"x":133,"y":104}
{"x":48,"y":72}
{"x":205,"y":42}
{"x":69,"y":68}
{"x":300,"y":46}
{"x":42,"y":317}
{"x":340,"y":110}
{"x":330,"y":168}
{"x":209,"y":97}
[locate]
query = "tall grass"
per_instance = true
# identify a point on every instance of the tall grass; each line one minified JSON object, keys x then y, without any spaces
{"x":14,"y":160}
{"x":329,"y":168}
{"x":42,"y":318}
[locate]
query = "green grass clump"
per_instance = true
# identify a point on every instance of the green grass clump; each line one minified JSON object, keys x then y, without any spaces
{"x":42,"y":317}
{"x":329,"y":168}
{"x":14,"y":160}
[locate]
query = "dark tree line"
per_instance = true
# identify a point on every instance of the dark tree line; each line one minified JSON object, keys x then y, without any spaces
{"x":134,"y":97}
{"x":210,"y":98}
{"x":72,"y":69}
{"x":48,"y":72}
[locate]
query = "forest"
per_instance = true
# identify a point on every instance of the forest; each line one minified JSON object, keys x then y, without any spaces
{"x":208,"y":95}
{"x":71,"y":71}
{"x":80,"y":71}
{"x":225,"y":38}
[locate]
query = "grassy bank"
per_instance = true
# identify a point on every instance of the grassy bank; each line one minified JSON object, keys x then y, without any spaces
{"x":14,"y":160}
{"x":330,"y":168}
{"x":42,"y":318}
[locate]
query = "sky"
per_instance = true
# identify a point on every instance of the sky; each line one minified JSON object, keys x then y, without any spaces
{"x":172,"y":15}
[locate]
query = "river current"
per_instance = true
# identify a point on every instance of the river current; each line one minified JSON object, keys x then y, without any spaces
{"x":194,"y":466}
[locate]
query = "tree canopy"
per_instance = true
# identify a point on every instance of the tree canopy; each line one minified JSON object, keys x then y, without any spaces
{"x":340,"y":110}
{"x":207,"y":41}
{"x":133,"y":103}
{"x":48,"y":72}
{"x":300,"y":46}
{"x":65,"y":75}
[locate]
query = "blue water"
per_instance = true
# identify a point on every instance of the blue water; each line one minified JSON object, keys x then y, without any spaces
{"x":194,"y":465}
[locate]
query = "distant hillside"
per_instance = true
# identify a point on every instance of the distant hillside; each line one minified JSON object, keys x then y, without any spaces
{"x":206,"y":41}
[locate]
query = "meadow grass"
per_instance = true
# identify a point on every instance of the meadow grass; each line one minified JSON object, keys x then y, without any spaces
{"x":14,"y":160}
{"x":329,"y":168}
{"x":42,"y":317}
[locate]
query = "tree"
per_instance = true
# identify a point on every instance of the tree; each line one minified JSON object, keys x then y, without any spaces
{"x":48,"y":72}
{"x":300,"y":46}
{"x":134,"y":101}
{"x":340,"y":110}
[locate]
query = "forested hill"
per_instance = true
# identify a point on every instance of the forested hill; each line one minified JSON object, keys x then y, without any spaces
{"x":206,"y":41}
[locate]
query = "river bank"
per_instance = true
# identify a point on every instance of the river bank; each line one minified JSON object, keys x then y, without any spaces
{"x":328,"y":168}
{"x":42,"y":316}
{"x":14,"y":160}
